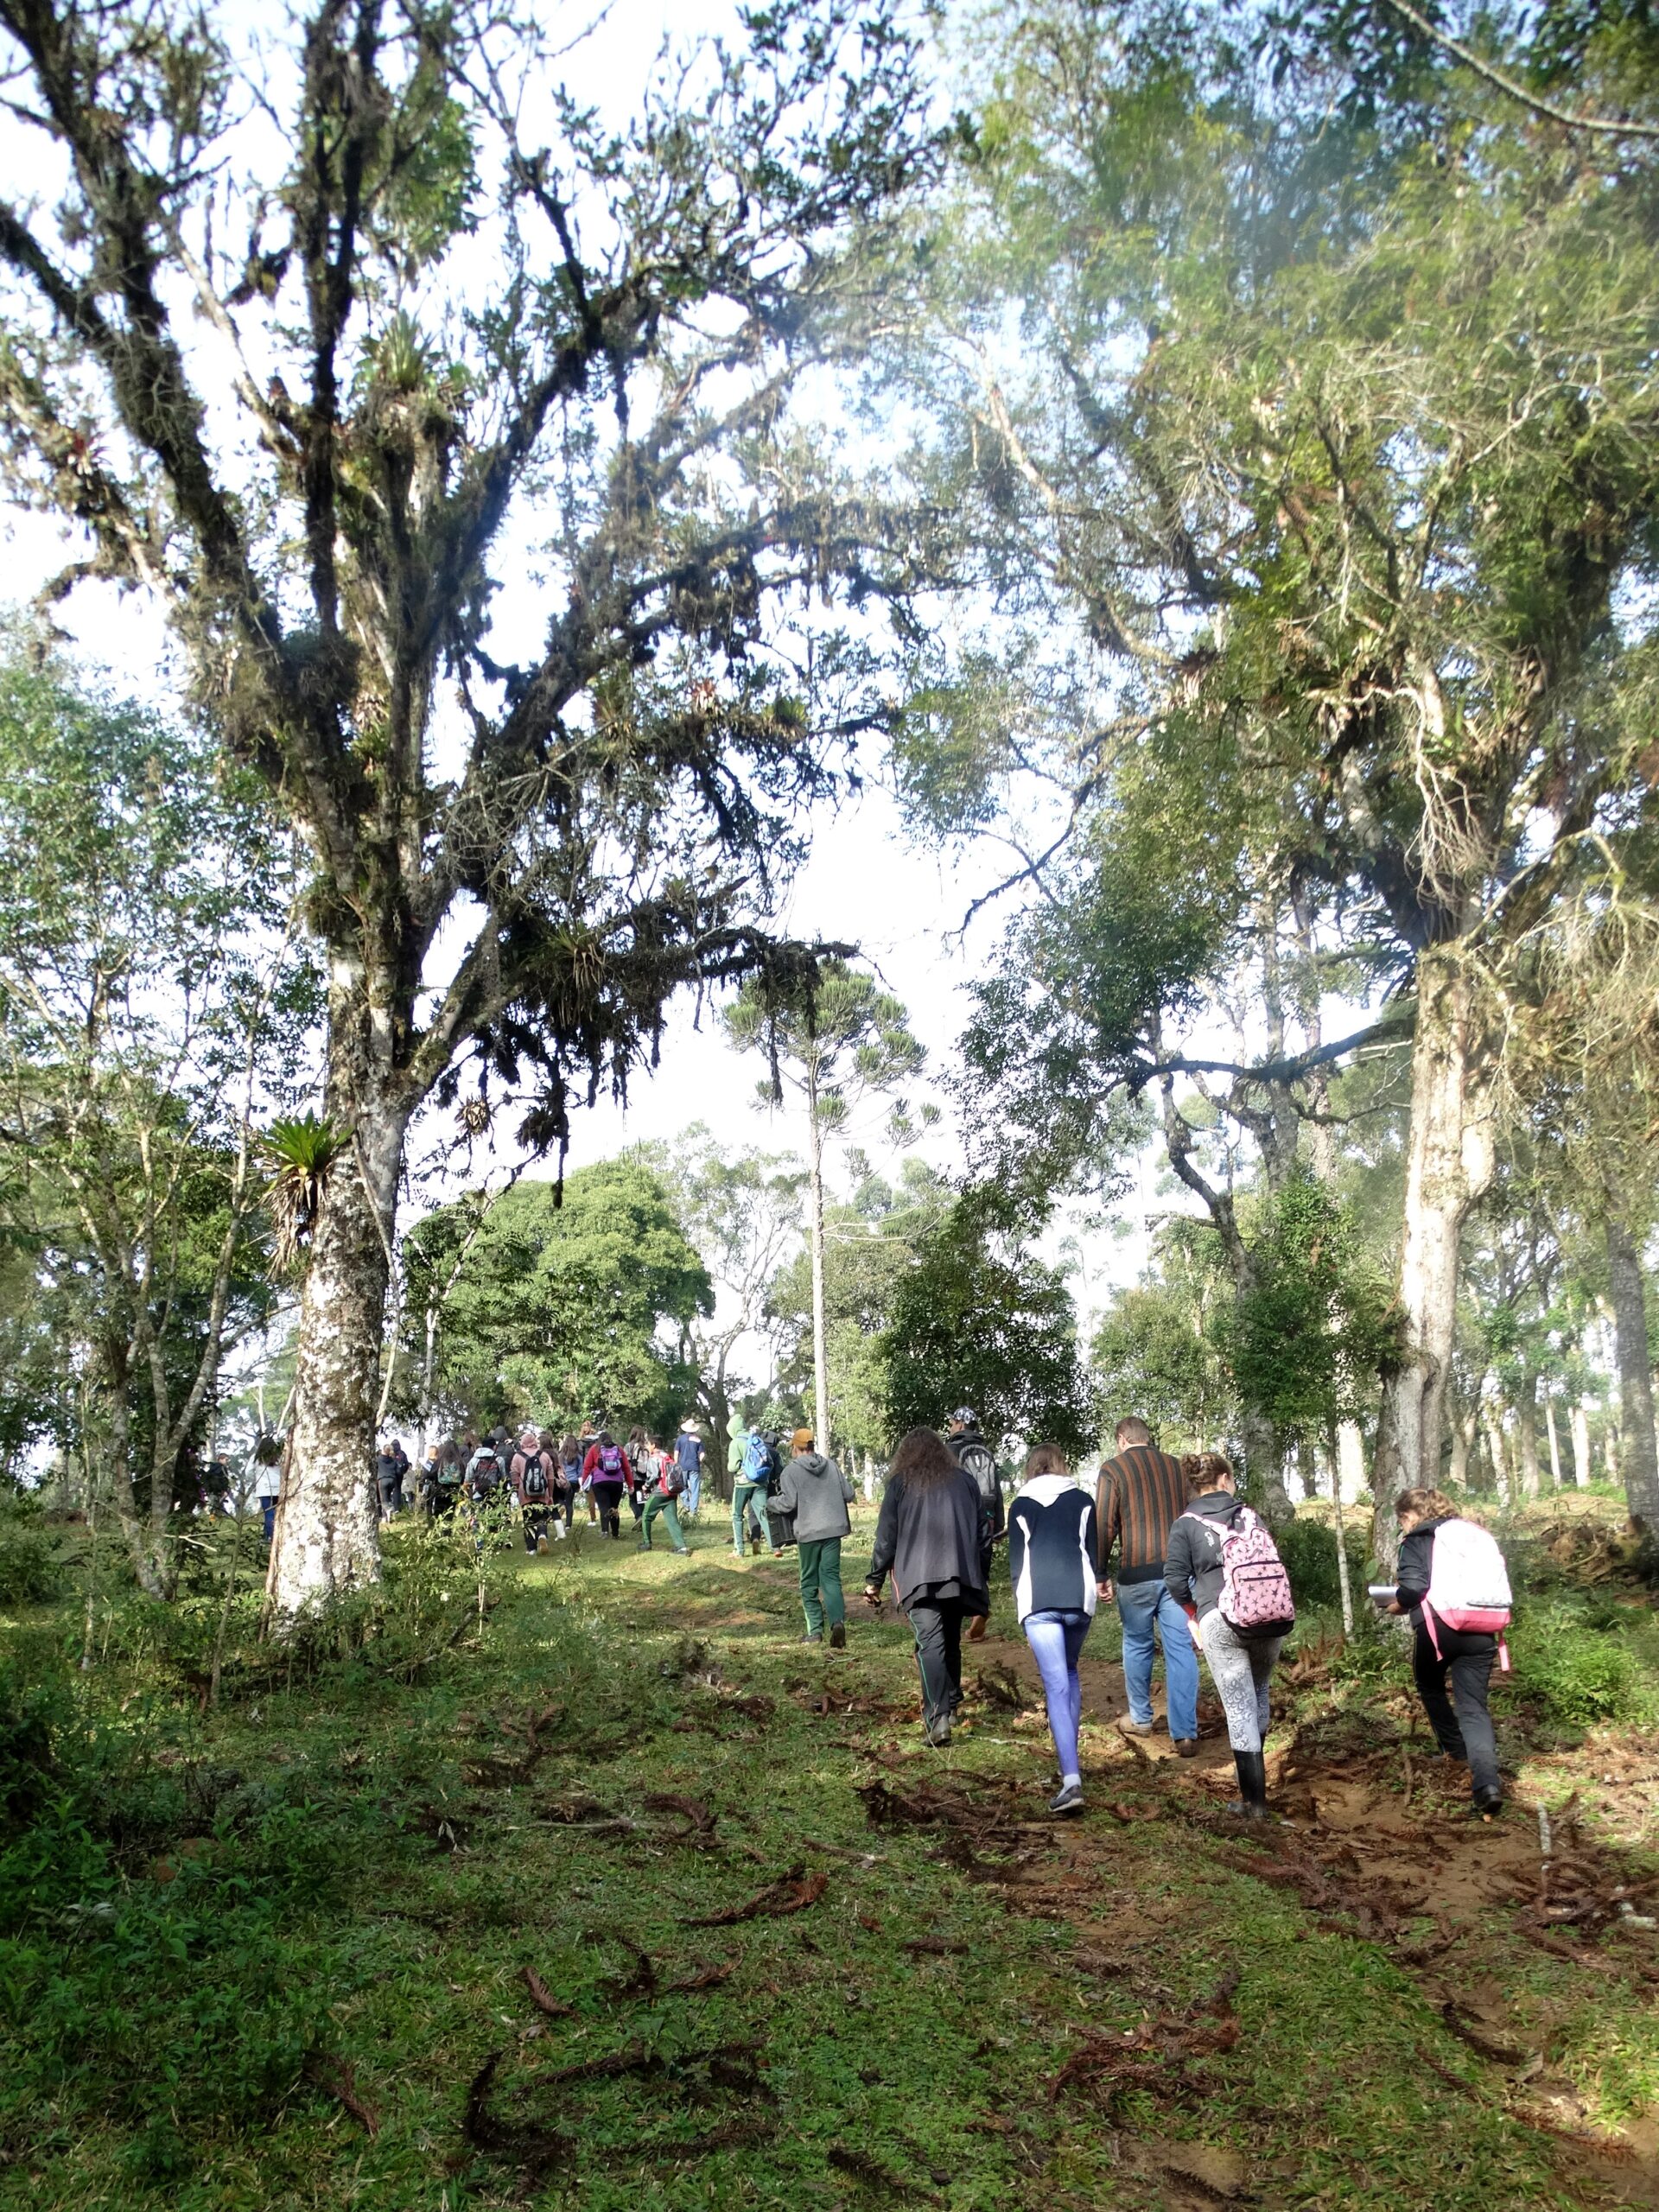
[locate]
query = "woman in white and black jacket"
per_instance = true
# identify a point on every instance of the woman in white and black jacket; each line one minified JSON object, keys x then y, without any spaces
{"x":1051,"y":1566}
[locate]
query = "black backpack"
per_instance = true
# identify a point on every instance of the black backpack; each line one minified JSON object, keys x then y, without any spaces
{"x":535,"y":1482}
{"x":975,"y":1454}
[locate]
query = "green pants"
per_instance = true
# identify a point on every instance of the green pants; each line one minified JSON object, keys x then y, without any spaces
{"x":741,"y":1494}
{"x":655,"y":1504}
{"x":821,"y":1598}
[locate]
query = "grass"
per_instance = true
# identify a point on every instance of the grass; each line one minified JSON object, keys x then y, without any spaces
{"x":223,"y":1930}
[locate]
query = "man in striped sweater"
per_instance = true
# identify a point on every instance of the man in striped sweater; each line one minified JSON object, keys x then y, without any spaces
{"x":1141,"y":1491}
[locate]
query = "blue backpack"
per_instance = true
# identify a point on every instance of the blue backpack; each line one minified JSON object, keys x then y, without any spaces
{"x":760,"y":1460}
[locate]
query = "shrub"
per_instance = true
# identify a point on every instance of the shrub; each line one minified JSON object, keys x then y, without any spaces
{"x":1308,"y":1548}
{"x":30,"y":1574}
{"x":1579,"y":1663}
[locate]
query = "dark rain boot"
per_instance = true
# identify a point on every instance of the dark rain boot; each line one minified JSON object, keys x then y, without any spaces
{"x":1251,"y":1802}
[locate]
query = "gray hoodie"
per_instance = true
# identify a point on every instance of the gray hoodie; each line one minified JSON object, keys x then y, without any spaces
{"x":819,"y":1493}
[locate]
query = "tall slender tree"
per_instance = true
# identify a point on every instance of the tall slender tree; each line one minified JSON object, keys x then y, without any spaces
{"x":832,"y":1042}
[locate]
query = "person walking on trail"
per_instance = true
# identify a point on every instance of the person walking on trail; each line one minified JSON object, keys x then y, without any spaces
{"x":976,"y":1454}
{"x":642,"y":1470}
{"x":1139,"y":1493}
{"x":756,"y":1465}
{"x":688,"y":1455}
{"x":530,"y":1472}
{"x":931,"y":1538}
{"x":1213,"y":1547}
{"x":1052,"y":1551}
{"x":267,"y":1486}
{"x":1453,"y":1585}
{"x":662,"y":1492}
{"x":606,"y":1471}
{"x":388,"y":1478}
{"x":815,"y":1491}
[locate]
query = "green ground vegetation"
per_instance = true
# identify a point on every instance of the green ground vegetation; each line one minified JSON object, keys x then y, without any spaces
{"x":449,"y":1904}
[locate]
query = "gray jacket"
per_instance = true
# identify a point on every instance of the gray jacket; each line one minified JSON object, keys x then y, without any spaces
{"x":819,"y":1494}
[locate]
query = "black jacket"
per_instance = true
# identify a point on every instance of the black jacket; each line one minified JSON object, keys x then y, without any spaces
{"x":931,"y":1541}
{"x":1193,"y":1563}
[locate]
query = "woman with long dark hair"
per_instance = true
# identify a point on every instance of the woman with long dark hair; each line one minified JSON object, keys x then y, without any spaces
{"x":929,"y":1537}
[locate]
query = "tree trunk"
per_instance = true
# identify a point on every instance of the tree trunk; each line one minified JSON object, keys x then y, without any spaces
{"x":1555,"y":1441}
{"x":1264,"y":1464}
{"x":1343,"y":1592}
{"x":820,"y":1351}
{"x":1350,"y":1458}
{"x":1581,"y":1445}
{"x":1526,"y":1415}
{"x":1497,"y":1454}
{"x":1462,"y":1426}
{"x":1448,"y":1167}
{"x":1630,"y":1303}
{"x":328,"y":1542}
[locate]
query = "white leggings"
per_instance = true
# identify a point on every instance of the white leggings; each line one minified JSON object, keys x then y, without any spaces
{"x":1240,"y":1672}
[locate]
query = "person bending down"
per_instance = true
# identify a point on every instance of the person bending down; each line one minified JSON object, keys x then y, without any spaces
{"x":1051,"y":1567}
{"x":929,"y":1536}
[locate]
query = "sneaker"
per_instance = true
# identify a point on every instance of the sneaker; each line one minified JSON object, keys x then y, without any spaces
{"x":812,"y":1636}
{"x":838,"y":1636}
{"x":1129,"y":1726}
{"x":938,"y":1730}
{"x":1069,"y":1798}
{"x":1186,"y":1747}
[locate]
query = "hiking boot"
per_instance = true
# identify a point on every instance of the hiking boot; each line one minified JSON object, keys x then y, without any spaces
{"x":938,"y":1730}
{"x":1129,"y":1726}
{"x":813,"y":1636}
{"x":1186,"y":1747}
{"x":838,"y":1636}
{"x":977,"y":1628}
{"x":1069,"y":1798}
{"x":1488,"y":1801}
{"x":1251,"y":1804}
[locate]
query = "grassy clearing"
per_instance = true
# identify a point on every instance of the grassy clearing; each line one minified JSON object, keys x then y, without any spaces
{"x":275,"y":1953}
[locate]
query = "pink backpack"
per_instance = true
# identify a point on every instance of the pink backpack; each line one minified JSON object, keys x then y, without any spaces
{"x":1255,"y":1599}
{"x":1468,"y":1583}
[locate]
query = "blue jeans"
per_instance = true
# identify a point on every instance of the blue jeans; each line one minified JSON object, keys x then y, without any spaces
{"x":1055,"y":1640}
{"x":1141,"y":1605}
{"x":693,"y":1490}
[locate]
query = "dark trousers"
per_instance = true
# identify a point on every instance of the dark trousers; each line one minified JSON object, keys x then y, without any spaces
{"x":937,"y":1626}
{"x":608,"y":1496}
{"x":535,"y":1524}
{"x":1466,"y":1733}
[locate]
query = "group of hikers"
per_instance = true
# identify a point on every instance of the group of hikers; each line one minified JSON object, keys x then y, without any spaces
{"x":1193,"y":1571}
{"x":543,"y":1480}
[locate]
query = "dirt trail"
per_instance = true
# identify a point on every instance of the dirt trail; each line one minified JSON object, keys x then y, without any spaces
{"x":1375,"y":1839}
